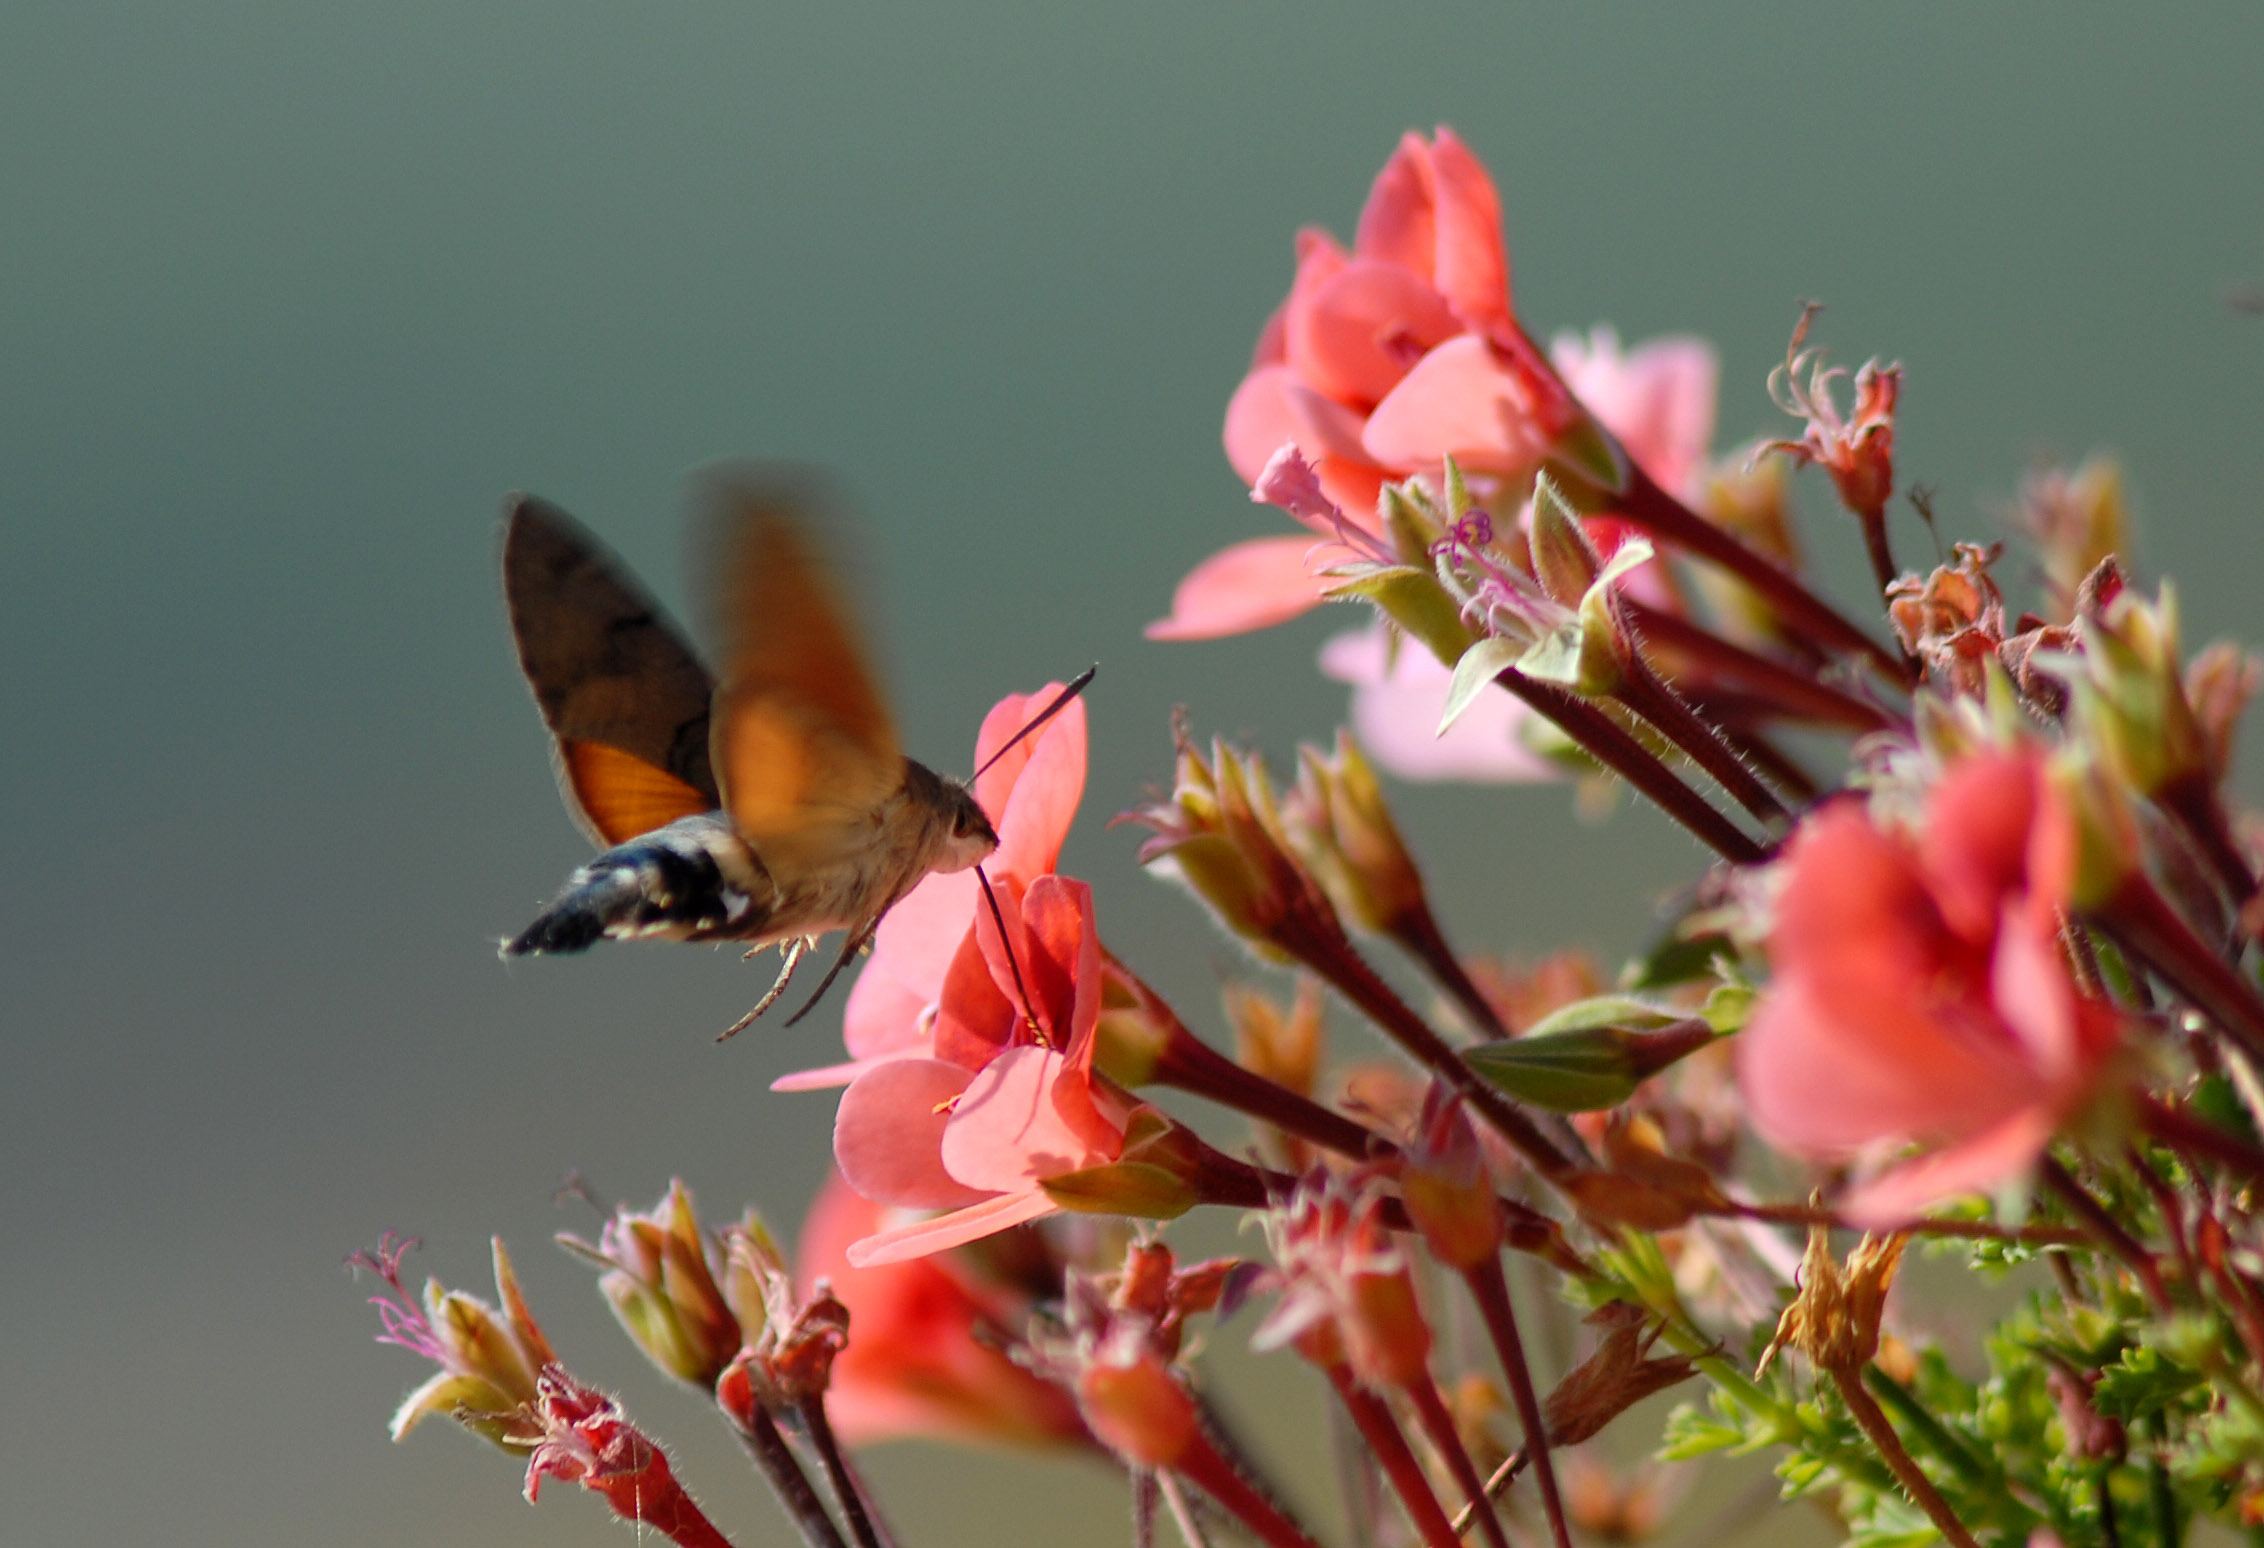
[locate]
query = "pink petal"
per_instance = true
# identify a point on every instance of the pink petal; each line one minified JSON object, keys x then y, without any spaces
{"x":1396,"y":706}
{"x":1006,"y":1131}
{"x":2032,"y":990}
{"x":1397,"y":224}
{"x":1274,"y":406}
{"x":1974,"y":847}
{"x":1657,"y":399}
{"x":1976,"y":1165}
{"x":975,"y":1017}
{"x":829,"y":1077}
{"x":1364,"y":328}
{"x":888,"y":1135}
{"x":1459,"y":401}
{"x":1472,"y":266}
{"x":961,"y":1226}
{"x":1044,"y":804}
{"x":1252,"y":585}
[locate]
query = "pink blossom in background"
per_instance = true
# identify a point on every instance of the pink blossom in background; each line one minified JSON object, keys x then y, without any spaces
{"x":1657,"y":399}
{"x":1919,"y":995}
{"x":1398,"y":698}
{"x":1383,"y":360}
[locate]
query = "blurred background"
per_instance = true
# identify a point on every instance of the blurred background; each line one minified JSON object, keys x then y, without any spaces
{"x":291,"y":295}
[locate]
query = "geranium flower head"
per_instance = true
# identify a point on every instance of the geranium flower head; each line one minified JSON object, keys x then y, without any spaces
{"x":1919,"y":995}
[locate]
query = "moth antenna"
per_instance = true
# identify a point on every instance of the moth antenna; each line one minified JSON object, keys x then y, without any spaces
{"x":1014,"y":965}
{"x":1060,"y":703}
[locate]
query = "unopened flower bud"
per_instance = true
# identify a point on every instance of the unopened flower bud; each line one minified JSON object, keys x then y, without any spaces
{"x":1135,"y":1405}
{"x":661,"y":1283}
{"x":1443,"y":1180}
{"x":2219,"y":682}
{"x":2131,"y":697}
{"x":1564,"y":560}
{"x":2076,"y":519}
{"x":1336,"y":819}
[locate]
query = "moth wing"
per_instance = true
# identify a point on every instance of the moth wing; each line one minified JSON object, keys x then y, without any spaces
{"x":626,"y":701}
{"x":803,"y":746}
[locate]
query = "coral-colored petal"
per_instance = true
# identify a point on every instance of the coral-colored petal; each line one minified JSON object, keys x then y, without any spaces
{"x":1253,"y":585}
{"x":1459,"y":401}
{"x":1275,"y":407}
{"x":888,"y":1135}
{"x":1006,"y":1132}
{"x":974,"y":1017}
{"x":1045,"y":799}
{"x":956,"y":1229}
{"x":1397,"y":703}
{"x":1977,"y":1165}
{"x":1472,"y":265}
{"x":1397,"y":223}
{"x":1364,"y":328}
{"x":828,"y":1077}
{"x":1974,"y":848}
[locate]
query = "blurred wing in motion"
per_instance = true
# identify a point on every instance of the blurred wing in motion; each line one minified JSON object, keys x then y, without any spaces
{"x":626,"y":701}
{"x":802,"y":746}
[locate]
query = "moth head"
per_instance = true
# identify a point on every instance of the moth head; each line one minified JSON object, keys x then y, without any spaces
{"x":969,"y":837}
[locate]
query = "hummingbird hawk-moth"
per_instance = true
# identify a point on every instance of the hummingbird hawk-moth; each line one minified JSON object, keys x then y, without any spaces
{"x":768,"y":803}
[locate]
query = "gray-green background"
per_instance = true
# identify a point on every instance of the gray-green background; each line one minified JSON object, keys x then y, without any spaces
{"x":291,"y":294}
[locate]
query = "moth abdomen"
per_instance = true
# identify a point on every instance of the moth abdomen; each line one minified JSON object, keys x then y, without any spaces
{"x":694,"y":879}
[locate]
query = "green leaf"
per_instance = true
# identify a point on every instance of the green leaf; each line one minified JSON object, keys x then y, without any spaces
{"x":1688,"y":1433}
{"x":1475,"y":673}
{"x":2141,"y":1384}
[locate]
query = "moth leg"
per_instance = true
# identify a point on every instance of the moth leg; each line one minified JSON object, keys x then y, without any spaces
{"x":791,"y":955}
{"x":860,"y":939}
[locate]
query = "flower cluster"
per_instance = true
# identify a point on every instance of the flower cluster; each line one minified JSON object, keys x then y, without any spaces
{"x":1970,"y":970}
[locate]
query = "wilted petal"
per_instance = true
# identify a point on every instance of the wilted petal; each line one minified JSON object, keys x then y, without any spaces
{"x":888,"y":1135}
{"x":1253,"y":585}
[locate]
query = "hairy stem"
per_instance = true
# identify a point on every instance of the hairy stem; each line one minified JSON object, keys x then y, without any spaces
{"x":1491,"y":1292}
{"x":1873,"y":1422}
{"x":779,"y":1465}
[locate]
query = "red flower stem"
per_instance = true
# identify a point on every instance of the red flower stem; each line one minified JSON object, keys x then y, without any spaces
{"x":1207,"y":1470}
{"x":2143,"y":921}
{"x":848,"y":1488}
{"x":1876,"y":548}
{"x":1437,"y":1423}
{"x":1419,"y":935}
{"x":1351,"y":977}
{"x":2107,"y":1231}
{"x":1598,"y":735}
{"x":1872,"y":1420}
{"x":2180,"y":1130}
{"x":666,"y":1509}
{"x":1381,"y":1432}
{"x":1642,"y":692}
{"x":1795,"y":694}
{"x":1491,"y":1291}
{"x":1664,"y":517}
{"x":1189,"y":1064}
{"x":2192,"y":803}
{"x":784,"y":1472}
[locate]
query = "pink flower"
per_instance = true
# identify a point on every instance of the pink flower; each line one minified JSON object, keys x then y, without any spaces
{"x":1031,"y":798}
{"x":1398,"y":697}
{"x":1011,"y":1101}
{"x":924,"y":1355}
{"x":1657,"y":399}
{"x":1920,"y":997}
{"x":1383,"y":360}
